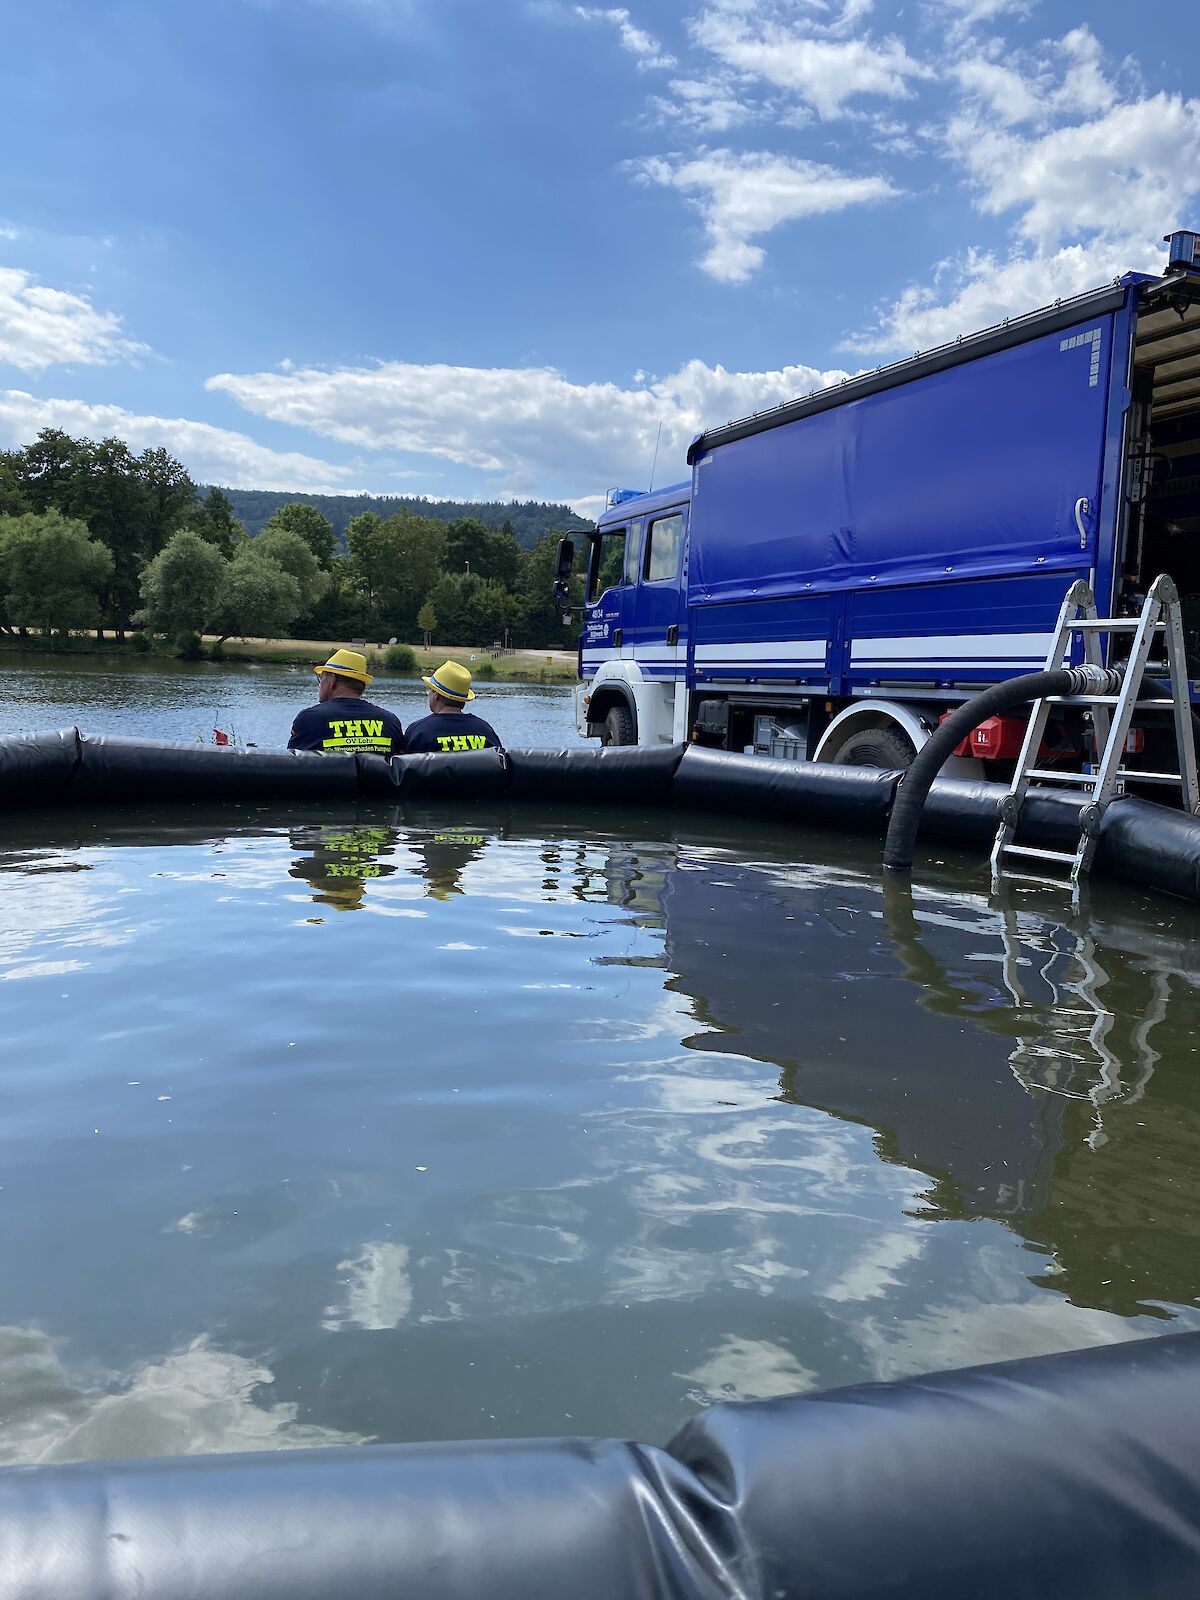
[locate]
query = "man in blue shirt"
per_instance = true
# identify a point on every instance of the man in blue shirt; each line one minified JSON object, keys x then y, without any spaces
{"x":448,"y":727}
{"x":342,"y":722}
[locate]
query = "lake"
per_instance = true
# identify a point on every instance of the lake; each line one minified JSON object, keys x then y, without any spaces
{"x":372,"y":1123}
{"x":255,"y":701}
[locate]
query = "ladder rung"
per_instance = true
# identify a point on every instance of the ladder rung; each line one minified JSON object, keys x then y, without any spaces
{"x":1148,"y":777}
{"x":1110,"y":625}
{"x":1007,"y":875}
{"x":1106,"y":700}
{"x":1061,"y":777}
{"x":1041,"y":855}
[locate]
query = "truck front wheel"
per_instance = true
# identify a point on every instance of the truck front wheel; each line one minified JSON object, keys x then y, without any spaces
{"x":886,"y":748}
{"x":618,"y":727}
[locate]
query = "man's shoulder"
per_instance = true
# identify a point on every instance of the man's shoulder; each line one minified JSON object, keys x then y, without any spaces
{"x":309,"y":715}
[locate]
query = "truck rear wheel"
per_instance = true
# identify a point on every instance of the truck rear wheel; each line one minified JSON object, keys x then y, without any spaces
{"x":618,"y":727}
{"x":886,"y":748}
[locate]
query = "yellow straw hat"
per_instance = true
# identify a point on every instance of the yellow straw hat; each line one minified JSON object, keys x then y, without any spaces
{"x":347,"y":664}
{"x":452,"y":681}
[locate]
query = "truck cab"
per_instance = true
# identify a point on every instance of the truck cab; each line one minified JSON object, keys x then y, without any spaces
{"x":633,"y":649}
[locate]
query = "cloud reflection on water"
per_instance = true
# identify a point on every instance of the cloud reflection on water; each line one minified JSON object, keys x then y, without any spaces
{"x":193,"y":1401}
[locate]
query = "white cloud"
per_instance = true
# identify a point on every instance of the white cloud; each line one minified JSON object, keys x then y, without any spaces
{"x":709,"y":105}
{"x":825,"y":72}
{"x":1092,"y":183}
{"x":531,"y":427}
{"x":1000,"y":90}
{"x":7,"y":233}
{"x":1131,"y":167}
{"x":1084,"y":89}
{"x":1024,"y":89}
{"x":984,"y":289}
{"x":644,"y":46}
{"x":211,"y":455}
{"x":970,"y":13}
{"x":744,"y":195}
{"x":40,"y":326}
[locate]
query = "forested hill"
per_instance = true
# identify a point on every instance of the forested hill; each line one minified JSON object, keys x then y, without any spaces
{"x":529,"y":519}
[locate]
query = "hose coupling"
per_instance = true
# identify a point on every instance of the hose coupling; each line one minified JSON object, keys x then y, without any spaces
{"x":1089,"y":679}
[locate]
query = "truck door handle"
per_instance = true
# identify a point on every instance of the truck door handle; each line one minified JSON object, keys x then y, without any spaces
{"x":1082,"y":507}
{"x":673,"y":633}
{"x":617,"y":636}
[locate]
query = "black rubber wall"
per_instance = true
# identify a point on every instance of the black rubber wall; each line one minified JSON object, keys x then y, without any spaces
{"x":1143,"y":843}
{"x":1073,"y":1477}
{"x":1146,"y":844}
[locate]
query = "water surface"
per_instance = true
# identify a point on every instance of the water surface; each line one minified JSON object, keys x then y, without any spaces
{"x":254,"y":701}
{"x":376,"y":1124}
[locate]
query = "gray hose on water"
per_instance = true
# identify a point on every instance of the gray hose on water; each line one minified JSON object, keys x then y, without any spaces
{"x":901,"y":839}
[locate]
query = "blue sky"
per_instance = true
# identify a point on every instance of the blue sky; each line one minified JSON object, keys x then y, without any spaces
{"x":479,"y":249}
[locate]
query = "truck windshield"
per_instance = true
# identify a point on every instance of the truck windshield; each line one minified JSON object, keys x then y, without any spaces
{"x":608,"y":562}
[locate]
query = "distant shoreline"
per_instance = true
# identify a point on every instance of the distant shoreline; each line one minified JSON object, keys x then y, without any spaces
{"x":510,"y":666}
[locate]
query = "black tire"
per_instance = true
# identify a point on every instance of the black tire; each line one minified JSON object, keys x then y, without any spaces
{"x":886,"y":748}
{"x":618,"y":727}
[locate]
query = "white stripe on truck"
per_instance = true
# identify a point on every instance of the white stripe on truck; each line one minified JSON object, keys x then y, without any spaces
{"x":809,"y":652}
{"x":952,"y":649}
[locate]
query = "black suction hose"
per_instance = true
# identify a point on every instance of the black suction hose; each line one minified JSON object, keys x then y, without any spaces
{"x":901,"y":839}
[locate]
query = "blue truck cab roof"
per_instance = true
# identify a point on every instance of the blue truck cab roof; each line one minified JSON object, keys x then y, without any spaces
{"x":637,"y":505}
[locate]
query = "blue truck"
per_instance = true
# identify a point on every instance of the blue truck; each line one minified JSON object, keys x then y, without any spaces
{"x":841,"y":571}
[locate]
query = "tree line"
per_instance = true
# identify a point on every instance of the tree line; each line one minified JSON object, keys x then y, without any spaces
{"x":94,"y":536}
{"x":528,"y":519}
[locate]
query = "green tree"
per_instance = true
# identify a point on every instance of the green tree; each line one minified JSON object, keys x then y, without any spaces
{"x":427,"y":621}
{"x":466,"y":547}
{"x":258,"y":599}
{"x":12,"y":496}
{"x":367,"y":544}
{"x":491,"y":611}
{"x":171,"y":496}
{"x":307,"y":521}
{"x":289,"y":551}
{"x":214,"y":520}
{"x":342,"y":609}
{"x":49,"y":471}
{"x":181,"y":585}
{"x":119,"y":509}
{"x":504,"y":557}
{"x":395,"y":564}
{"x":51,"y":572}
{"x":450,"y":599}
{"x":419,"y":548}
{"x":131,"y":503}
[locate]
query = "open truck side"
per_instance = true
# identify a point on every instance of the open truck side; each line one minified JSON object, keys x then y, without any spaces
{"x":841,"y":571}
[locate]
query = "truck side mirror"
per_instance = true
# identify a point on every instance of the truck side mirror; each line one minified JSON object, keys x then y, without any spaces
{"x":562,"y":569}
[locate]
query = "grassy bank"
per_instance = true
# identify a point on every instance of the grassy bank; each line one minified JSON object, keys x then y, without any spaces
{"x":514,"y":666}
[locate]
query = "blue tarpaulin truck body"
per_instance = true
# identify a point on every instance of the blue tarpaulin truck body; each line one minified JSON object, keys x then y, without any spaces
{"x":868,"y":556}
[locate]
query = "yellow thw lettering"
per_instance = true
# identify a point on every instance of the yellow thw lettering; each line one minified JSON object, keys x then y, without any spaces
{"x":461,"y":742}
{"x":446,"y":741}
{"x":354,"y":730}
{"x":374,"y":729}
{"x":336,"y":729}
{"x":476,"y":741}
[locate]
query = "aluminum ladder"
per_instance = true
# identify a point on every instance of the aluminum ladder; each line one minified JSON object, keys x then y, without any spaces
{"x":1160,"y":622}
